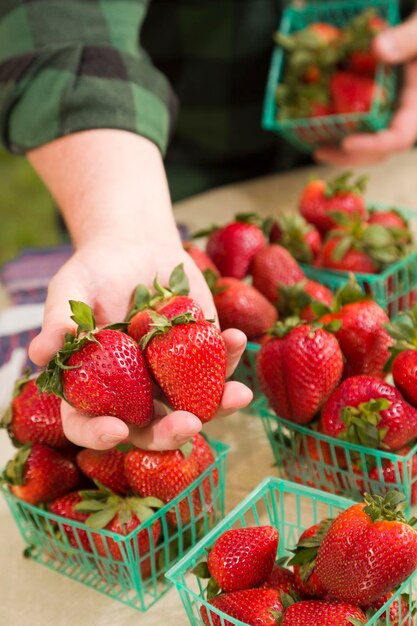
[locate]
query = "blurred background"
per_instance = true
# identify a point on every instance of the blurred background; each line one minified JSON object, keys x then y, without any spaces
{"x":27,"y":215}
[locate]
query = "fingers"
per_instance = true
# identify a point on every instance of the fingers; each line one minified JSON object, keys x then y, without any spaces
{"x":56,"y":319}
{"x":167,"y":432}
{"x":235,"y":396}
{"x":235,"y":342}
{"x":343,"y":158}
{"x":398,"y":44}
{"x":98,"y":433}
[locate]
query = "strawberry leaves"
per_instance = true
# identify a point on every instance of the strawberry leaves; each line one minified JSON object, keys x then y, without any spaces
{"x":362,"y":423}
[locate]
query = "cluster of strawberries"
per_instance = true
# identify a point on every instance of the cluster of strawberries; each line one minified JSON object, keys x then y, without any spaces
{"x":334,"y":230}
{"x":343,"y":570}
{"x":107,"y":372}
{"x":330,"y":70}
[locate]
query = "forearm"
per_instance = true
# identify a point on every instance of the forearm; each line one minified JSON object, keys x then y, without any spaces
{"x":109,"y":185}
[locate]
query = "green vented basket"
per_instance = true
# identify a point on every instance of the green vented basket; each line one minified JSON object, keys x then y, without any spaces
{"x":308,"y":133}
{"x":307,"y":457}
{"x":291,"y":509}
{"x":139,"y":579}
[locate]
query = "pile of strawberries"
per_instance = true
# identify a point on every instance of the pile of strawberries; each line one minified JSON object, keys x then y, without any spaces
{"x":330,"y":70}
{"x":342,"y":572}
{"x":107,"y":372}
{"x":334,"y":231}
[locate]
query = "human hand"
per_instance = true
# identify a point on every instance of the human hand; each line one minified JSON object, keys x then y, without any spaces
{"x":105,"y":279}
{"x":393,"y":46}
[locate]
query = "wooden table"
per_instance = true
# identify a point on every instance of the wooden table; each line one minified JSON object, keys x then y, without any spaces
{"x":31,"y":594}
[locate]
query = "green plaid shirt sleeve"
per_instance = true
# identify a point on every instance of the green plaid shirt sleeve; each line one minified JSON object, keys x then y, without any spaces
{"x":71,"y":65}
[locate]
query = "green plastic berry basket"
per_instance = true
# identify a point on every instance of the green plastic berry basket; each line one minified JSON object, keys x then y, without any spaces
{"x":308,"y":133}
{"x":310,"y":458}
{"x":291,"y":509}
{"x":137,"y":580}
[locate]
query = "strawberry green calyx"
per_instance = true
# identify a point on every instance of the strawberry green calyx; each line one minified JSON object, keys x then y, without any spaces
{"x":141,"y":300}
{"x":178,"y":285}
{"x":389,"y":507}
{"x":282,"y":328}
{"x":104,"y":505}
{"x":404,"y":331}
{"x":202,"y":571}
{"x":362,"y":423}
{"x":293,"y":299}
{"x":161,"y":324}
{"x":212,"y":280}
{"x":305,"y":553}
{"x":253,"y":218}
{"x":344,"y":184}
{"x":294,"y":229}
{"x":6,"y":419}
{"x":349,"y":293}
{"x":15,"y":468}
{"x":49,"y":381}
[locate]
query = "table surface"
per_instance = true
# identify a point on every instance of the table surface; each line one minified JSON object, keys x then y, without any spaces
{"x":30,"y":593}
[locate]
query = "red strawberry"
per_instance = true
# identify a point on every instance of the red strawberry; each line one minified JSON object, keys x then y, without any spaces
{"x":368,"y":411}
{"x":362,"y":337}
{"x":239,"y":305}
{"x":304,"y":560}
{"x":104,"y":372}
{"x":398,"y":613}
{"x":297,"y":236}
{"x":391,"y":219}
{"x":164,"y":475}
{"x":122,"y":516}
{"x":106,"y":467}
{"x":333,"y":257}
{"x":314,"y":612}
{"x":169,"y":301}
{"x":403,"y":358}
{"x":204,"y":458}
{"x":352,"y":93}
{"x":38,"y":473}
{"x":200,"y":258}
{"x":254,"y":607}
{"x":34,"y":417}
{"x":298,"y":298}
{"x":64,"y":506}
{"x":281,"y":579}
{"x":233,"y":247}
{"x":393,"y":472}
{"x":274,"y":266}
{"x":298,"y":369}
{"x":358,"y":36}
{"x":368,"y":550}
{"x":320,"y":198}
{"x":326,"y":33}
{"x":188,"y":361}
{"x":243,"y":558}
{"x":404,"y":372}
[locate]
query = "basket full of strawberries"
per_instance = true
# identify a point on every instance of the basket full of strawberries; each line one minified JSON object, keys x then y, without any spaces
{"x":324,"y":80}
{"x":117,"y":519}
{"x":295,"y":556}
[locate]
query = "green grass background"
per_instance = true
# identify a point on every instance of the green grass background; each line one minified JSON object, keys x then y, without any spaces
{"x":27,"y":214}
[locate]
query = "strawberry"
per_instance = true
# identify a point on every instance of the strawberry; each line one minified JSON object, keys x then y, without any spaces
{"x":304,"y":560}
{"x":64,"y":506}
{"x":243,"y":558}
{"x":164,"y":475}
{"x":122,"y":516}
{"x":358,"y":36}
{"x":352,"y":93}
{"x":38,"y":473}
{"x":325,"y":33}
{"x":298,"y":298}
{"x":320,"y":198}
{"x":368,"y":411}
{"x":233,"y":247}
{"x":274,"y":266}
{"x":368,"y":550}
{"x":298,"y":368}
{"x":393,"y":472}
{"x":239,"y":305}
{"x":188,"y":361}
{"x":295,"y":234}
{"x":204,"y":458}
{"x":392,"y":219}
{"x":398,"y":613}
{"x":169,"y":301}
{"x":106,"y":467}
{"x":403,"y":360}
{"x":281,"y":579}
{"x":352,"y":260}
{"x":297,"y":100}
{"x":34,"y":417}
{"x":200,"y":258}
{"x":314,"y":612}
{"x":100,"y":372}
{"x":255,"y":607}
{"x":362,"y":335}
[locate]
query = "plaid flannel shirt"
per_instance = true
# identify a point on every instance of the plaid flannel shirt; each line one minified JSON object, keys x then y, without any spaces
{"x":70,"y":65}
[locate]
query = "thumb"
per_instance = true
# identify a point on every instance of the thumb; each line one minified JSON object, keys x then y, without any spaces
{"x":398,"y":44}
{"x":56,"y":321}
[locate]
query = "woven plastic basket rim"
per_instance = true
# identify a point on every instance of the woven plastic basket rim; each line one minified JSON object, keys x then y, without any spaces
{"x":219,"y":448}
